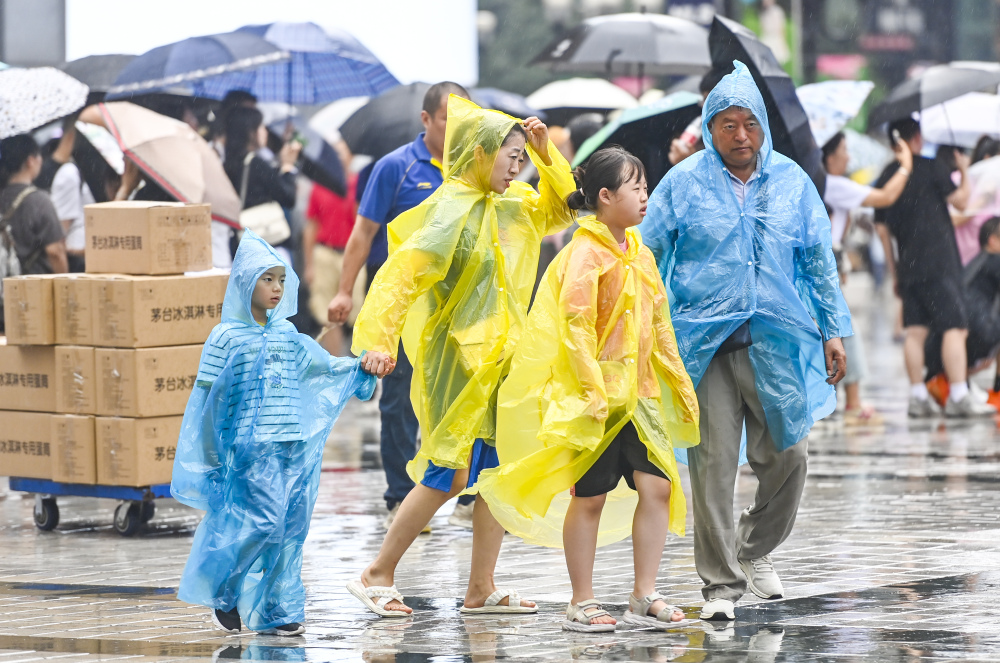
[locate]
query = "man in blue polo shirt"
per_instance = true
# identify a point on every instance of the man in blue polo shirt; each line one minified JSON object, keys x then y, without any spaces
{"x":400,"y":180}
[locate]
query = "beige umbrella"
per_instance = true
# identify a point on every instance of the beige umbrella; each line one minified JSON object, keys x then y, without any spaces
{"x":172,"y":154}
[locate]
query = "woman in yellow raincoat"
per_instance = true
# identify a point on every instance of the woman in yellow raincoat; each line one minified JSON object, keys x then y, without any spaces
{"x":597,"y":393}
{"x":456,"y":288}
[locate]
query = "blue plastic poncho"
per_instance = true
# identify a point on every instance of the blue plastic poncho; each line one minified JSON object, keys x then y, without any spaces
{"x":769,"y":261}
{"x":251,"y":447}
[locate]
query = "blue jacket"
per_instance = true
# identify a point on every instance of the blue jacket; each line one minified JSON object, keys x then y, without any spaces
{"x":769,"y":262}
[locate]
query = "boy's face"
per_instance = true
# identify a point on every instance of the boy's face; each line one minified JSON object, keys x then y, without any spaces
{"x":269,"y":289}
{"x":993,"y":244}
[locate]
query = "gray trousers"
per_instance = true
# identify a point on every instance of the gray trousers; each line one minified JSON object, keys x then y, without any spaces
{"x":727,"y":397}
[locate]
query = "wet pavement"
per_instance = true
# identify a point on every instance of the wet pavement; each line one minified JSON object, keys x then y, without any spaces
{"x":895,"y":557}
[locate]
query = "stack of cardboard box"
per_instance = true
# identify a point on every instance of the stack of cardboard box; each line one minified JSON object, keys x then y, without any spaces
{"x":97,"y":367}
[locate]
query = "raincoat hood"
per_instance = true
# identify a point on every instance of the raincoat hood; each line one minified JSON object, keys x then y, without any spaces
{"x":254,"y":257}
{"x":472,"y":141}
{"x":737,"y":89}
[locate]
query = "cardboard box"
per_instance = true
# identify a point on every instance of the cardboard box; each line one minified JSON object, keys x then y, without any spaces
{"x":74,"y":453}
{"x":145,"y":382}
{"x":150,"y":311}
{"x":28,"y":310}
{"x":26,"y":445}
{"x":28,"y":378}
{"x":76,"y":379}
{"x":136,"y":452}
{"x":138,"y":237}
{"x":73,"y":295}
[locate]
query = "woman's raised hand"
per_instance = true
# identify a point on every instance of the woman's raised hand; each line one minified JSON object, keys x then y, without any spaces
{"x":538,"y":137}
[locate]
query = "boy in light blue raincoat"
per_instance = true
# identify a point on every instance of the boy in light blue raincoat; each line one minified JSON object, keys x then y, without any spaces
{"x":251,"y":446}
{"x":742,"y":240}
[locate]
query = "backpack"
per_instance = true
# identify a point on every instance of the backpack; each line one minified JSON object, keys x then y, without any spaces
{"x":10,"y":265}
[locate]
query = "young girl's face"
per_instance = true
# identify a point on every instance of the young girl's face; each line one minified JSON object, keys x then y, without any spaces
{"x":625,"y":207}
{"x":269,"y":289}
{"x":507,"y":164}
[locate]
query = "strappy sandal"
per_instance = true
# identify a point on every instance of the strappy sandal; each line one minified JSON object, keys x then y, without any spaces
{"x":578,"y":619}
{"x":638,"y":612}
{"x":376,"y":598}
{"x":492,"y":606}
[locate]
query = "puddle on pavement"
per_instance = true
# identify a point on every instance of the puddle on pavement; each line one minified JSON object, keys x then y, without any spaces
{"x":59,"y":590}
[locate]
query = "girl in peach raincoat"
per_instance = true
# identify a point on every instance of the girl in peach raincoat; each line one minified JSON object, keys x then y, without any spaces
{"x":596,"y":401}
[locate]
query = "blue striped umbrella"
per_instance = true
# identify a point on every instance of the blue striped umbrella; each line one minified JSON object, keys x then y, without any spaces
{"x":326,"y":65}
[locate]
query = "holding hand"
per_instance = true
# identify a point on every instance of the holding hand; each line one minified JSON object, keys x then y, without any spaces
{"x":378,"y":364}
{"x":538,"y":138}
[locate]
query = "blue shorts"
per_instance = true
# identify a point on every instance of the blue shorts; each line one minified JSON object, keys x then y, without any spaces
{"x":483,"y":458}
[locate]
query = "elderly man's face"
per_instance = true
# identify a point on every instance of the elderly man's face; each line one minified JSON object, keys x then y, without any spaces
{"x":737,"y":136}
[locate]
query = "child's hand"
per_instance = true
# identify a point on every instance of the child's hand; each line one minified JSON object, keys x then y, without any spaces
{"x":378,"y":364}
{"x":538,"y":137}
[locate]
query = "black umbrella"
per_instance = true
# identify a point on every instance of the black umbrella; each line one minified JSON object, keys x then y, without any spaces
{"x":193,"y":59}
{"x":934,"y":86}
{"x":386,"y":122}
{"x":790,"y":132}
{"x":646,"y":132}
{"x":630,"y":44}
{"x":318,"y":160}
{"x":98,"y":72}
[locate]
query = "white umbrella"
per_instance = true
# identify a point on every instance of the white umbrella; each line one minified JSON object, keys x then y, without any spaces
{"x":830,"y":105}
{"x":30,"y":98}
{"x":328,"y":120}
{"x":962,"y":120}
{"x":582,"y":93}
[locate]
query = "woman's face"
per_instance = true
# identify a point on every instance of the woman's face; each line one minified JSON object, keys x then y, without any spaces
{"x":507,"y":164}
{"x":836,"y":163}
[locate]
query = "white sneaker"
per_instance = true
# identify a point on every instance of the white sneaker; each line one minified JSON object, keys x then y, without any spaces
{"x":718,"y":609}
{"x":462,"y":516}
{"x":762,"y":578}
{"x":925,"y":408}
{"x":968,"y":408}
{"x":391,"y":516}
{"x":978,"y":393}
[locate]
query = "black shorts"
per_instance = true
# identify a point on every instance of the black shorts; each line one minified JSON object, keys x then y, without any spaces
{"x":938,"y":305}
{"x":626,"y":454}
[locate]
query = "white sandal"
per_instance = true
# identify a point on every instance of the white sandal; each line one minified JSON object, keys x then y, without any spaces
{"x":376,"y":598}
{"x":577,"y":618}
{"x":493,"y":606}
{"x":638,"y":612}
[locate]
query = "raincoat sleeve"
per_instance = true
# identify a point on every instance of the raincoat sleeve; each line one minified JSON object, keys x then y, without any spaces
{"x":198,"y":465}
{"x":816,"y":270}
{"x":421,"y":260}
{"x":578,"y":305}
{"x":554,"y":185}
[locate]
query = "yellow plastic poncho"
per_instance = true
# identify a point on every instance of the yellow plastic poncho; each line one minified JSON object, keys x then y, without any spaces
{"x":458,"y":281}
{"x":598,"y":351}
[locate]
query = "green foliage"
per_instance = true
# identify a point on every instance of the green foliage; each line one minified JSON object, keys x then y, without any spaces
{"x":522,"y":32}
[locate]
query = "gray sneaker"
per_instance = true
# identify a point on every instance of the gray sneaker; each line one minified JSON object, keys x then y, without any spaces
{"x":762,"y":579}
{"x":967,"y":408}
{"x":923,"y":409}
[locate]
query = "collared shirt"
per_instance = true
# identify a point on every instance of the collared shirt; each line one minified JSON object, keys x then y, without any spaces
{"x":740,"y":187}
{"x":399,"y":181}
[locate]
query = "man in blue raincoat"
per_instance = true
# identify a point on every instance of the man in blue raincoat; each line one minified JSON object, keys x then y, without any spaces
{"x":742,"y":241}
{"x":251,"y":447}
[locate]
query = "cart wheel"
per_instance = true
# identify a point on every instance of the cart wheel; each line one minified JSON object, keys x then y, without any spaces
{"x":128,"y":518}
{"x":46,"y":513}
{"x":148,"y":510}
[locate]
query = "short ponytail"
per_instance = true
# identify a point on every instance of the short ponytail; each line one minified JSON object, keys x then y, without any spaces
{"x":608,"y":168}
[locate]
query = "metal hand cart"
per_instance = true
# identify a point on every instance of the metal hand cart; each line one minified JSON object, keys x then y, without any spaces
{"x":136,"y":505}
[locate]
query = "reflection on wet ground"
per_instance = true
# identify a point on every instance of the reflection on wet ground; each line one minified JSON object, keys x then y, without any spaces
{"x":895,"y":557}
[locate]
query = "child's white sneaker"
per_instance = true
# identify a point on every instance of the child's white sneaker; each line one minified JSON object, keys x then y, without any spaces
{"x":718,"y":609}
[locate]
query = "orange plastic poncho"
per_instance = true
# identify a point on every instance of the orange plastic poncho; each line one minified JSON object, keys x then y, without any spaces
{"x":598,"y":351}
{"x":458,"y":281}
